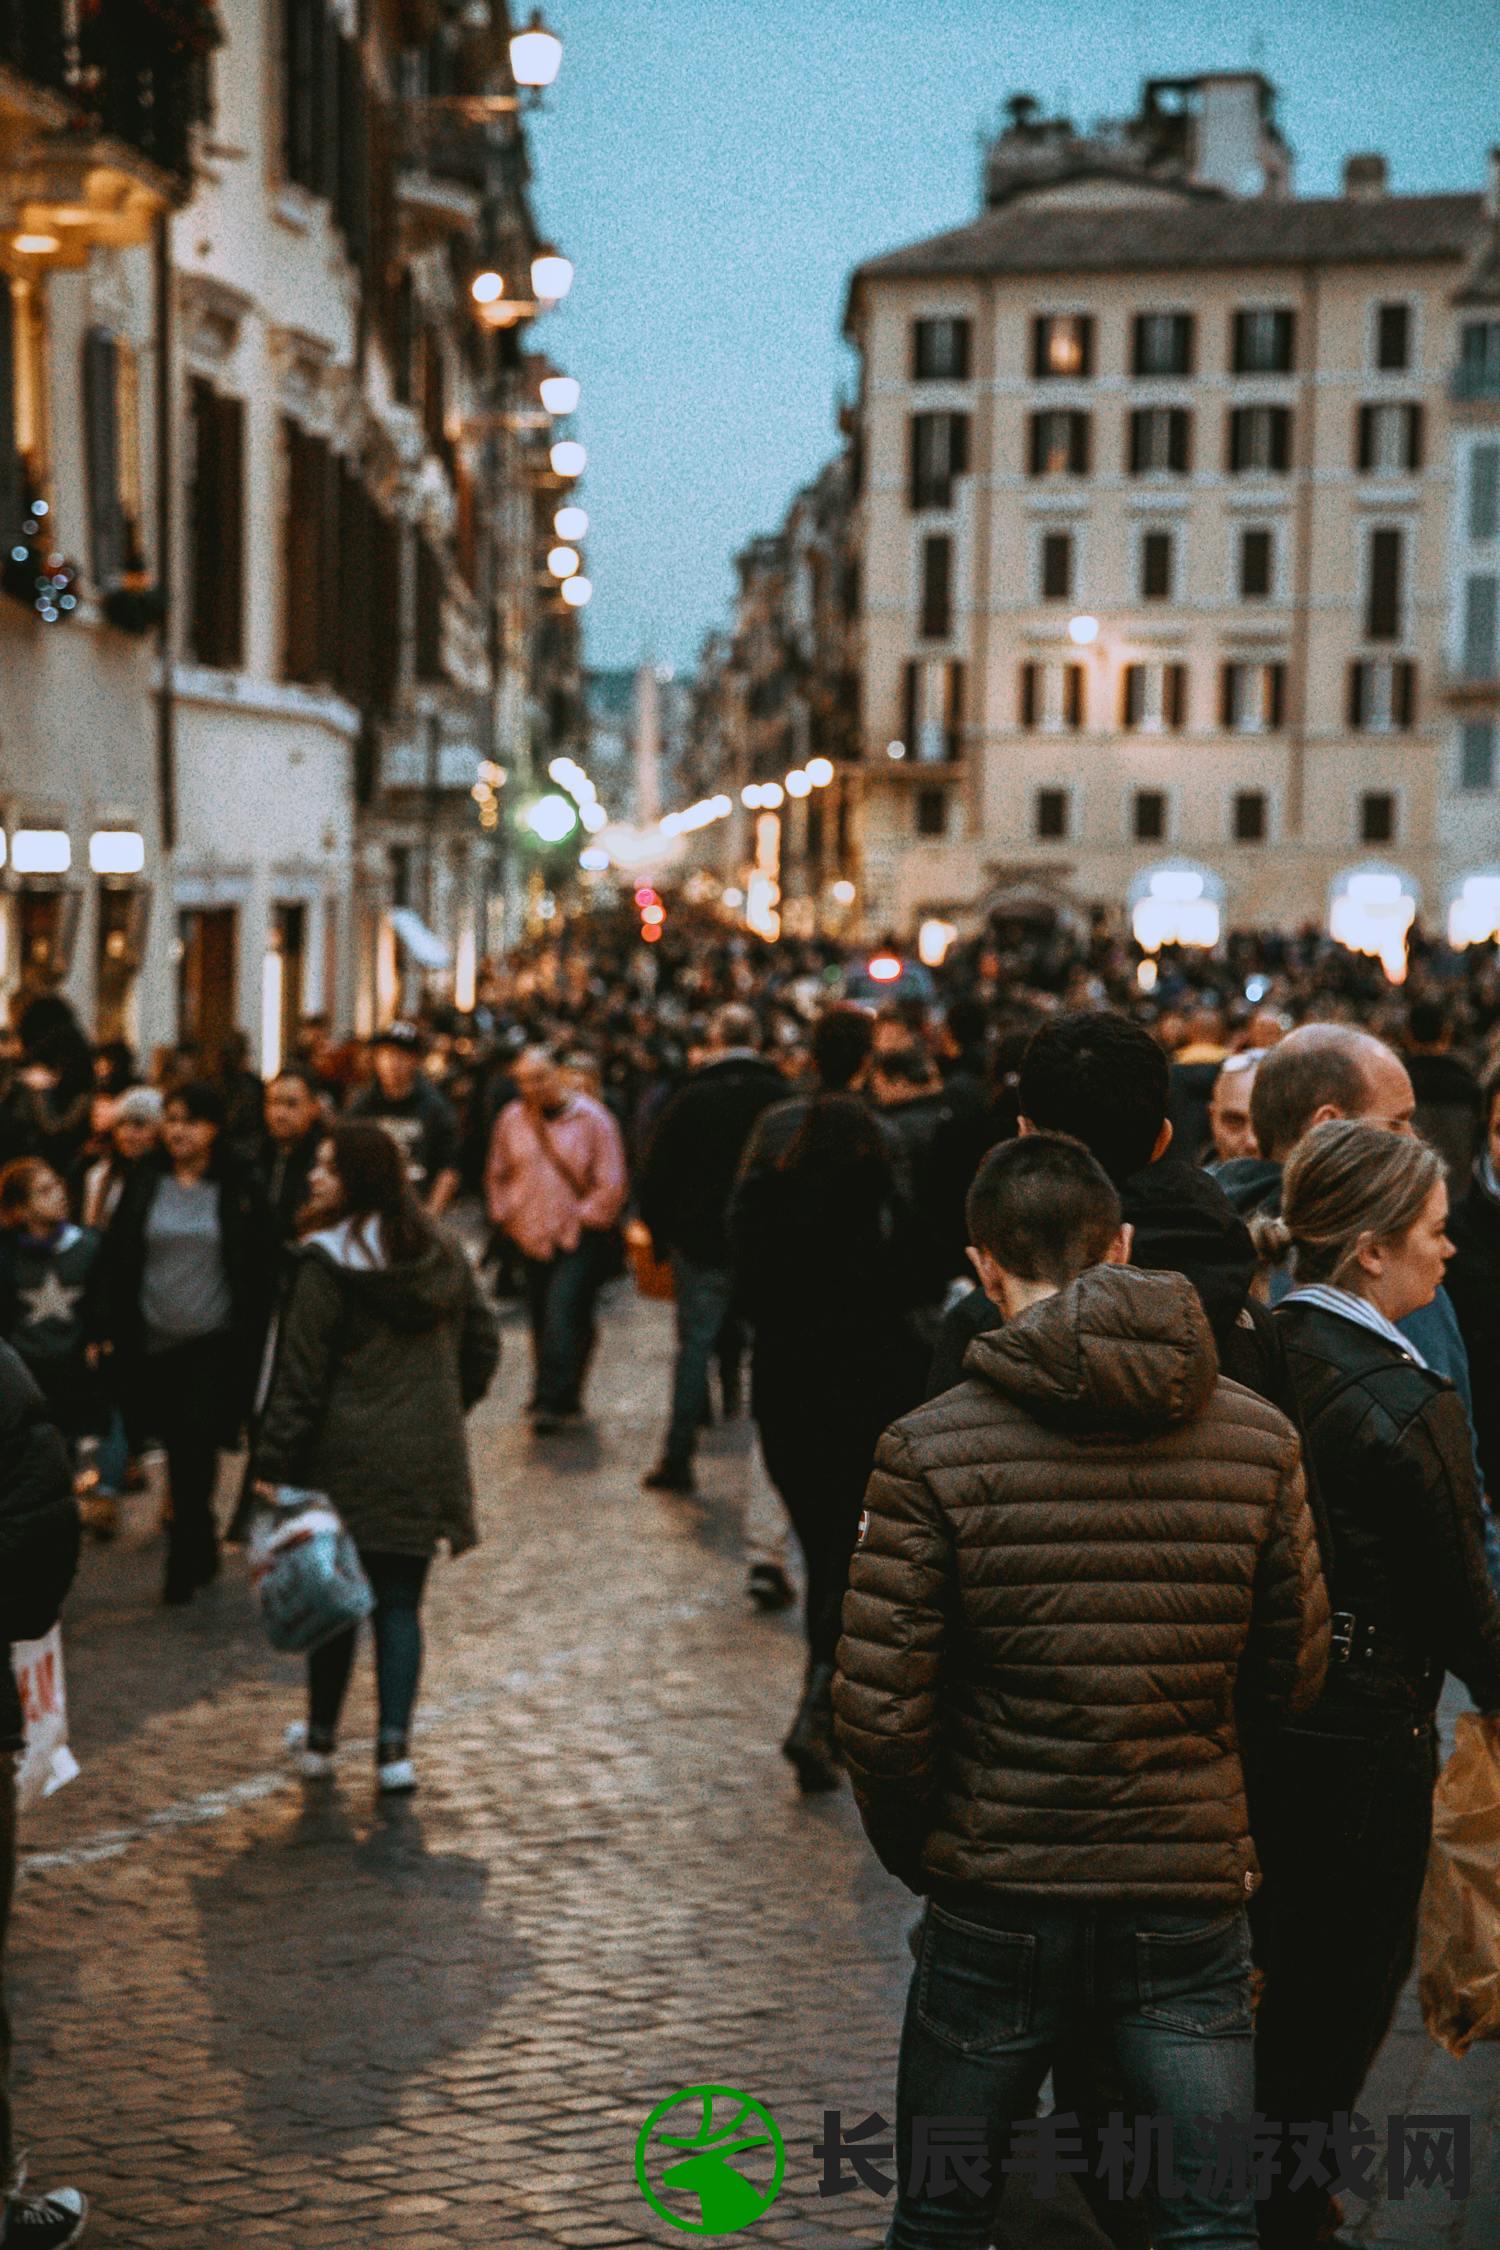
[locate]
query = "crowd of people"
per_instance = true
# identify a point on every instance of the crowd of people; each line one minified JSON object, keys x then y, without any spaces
{"x":1110,"y":1341}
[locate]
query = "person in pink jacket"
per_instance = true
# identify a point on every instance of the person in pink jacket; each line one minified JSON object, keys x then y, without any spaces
{"x":555,"y":1183}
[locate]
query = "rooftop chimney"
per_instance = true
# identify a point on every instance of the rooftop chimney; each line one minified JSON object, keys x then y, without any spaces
{"x":1365,"y":178}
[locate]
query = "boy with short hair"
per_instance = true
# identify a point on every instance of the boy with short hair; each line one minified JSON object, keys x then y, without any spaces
{"x":1065,"y":1564}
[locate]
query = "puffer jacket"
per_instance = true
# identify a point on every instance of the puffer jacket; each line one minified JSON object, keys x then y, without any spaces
{"x":375,"y":1369}
{"x":1066,"y":1566}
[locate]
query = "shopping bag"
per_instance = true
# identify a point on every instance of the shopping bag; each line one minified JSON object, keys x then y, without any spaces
{"x":653,"y":1275}
{"x":46,"y":1762}
{"x":305,"y":1569}
{"x":1460,"y":1920}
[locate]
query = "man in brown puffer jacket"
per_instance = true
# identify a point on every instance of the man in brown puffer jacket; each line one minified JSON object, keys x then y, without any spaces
{"x":1065,"y":1566}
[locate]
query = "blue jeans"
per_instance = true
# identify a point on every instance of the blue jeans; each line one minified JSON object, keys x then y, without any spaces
{"x":1002,"y":1981}
{"x":703,"y":1295}
{"x":397,"y":1582}
{"x":560,"y":1294}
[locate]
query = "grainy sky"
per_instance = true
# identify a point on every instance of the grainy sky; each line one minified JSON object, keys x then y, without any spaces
{"x":716,"y":167}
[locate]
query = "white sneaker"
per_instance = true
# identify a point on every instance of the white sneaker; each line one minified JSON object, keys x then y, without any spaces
{"x":311,"y":1765}
{"x":396,"y":1779}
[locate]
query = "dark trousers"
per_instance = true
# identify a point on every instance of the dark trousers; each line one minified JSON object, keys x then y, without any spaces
{"x":823,"y":1485}
{"x":703,"y":1323}
{"x":190,"y":1406}
{"x":397,"y":1582}
{"x":1002,"y":1983}
{"x":1336,"y":1923}
{"x":7,"y":1889}
{"x":560,"y":1295}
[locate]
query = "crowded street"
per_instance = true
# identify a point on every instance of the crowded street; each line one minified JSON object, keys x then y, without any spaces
{"x":265,"y":2015}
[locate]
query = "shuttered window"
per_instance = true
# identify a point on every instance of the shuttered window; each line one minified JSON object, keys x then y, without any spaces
{"x":1389,"y":439}
{"x":1481,"y":651}
{"x":1062,"y":344}
{"x":1383,"y":590}
{"x":1156,"y":566}
{"x":1257,"y":558}
{"x":1382,"y":696}
{"x":1263,"y":343}
{"x":1260,"y":440}
{"x":940,"y":351}
{"x":1163,"y":344}
{"x":939,"y":448}
{"x":936,"y":620}
{"x":1393,"y":338}
{"x":1160,"y":441}
{"x":1059,"y":444}
{"x":1484,"y":493}
{"x":216,"y":527}
{"x":1057,"y":566}
{"x":1476,"y":755}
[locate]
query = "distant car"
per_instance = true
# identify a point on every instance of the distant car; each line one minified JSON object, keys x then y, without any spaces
{"x":881,"y":976}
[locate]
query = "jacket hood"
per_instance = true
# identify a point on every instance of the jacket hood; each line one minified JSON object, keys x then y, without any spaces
{"x":1184,"y":1223}
{"x":430,"y":1288}
{"x":1252,"y":1184}
{"x":1116,"y":1350}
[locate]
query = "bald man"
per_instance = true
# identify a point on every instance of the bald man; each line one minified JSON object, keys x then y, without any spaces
{"x":1328,"y":1070}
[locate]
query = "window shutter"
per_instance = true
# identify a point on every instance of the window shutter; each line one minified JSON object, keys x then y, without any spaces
{"x":1239,"y":349}
{"x":1364,"y":442}
{"x":1355,"y":697}
{"x":1038,"y":349}
{"x":101,"y":415}
{"x":1180,"y":440}
{"x":1286,"y":341}
{"x":1403,"y":693}
{"x":1277,"y":677}
{"x":1234,"y":437}
{"x":1038,"y":445}
{"x":1481,"y":657}
{"x":1073,"y":698}
{"x":1281,"y":435}
{"x":1383,"y":606}
{"x":12,"y":499}
{"x":958,"y":444}
{"x":910,"y":682}
{"x":1228,"y":690}
{"x":1176,"y":697}
{"x":916,"y":481}
{"x":1134,"y":694}
{"x":1415,"y":434}
{"x":960,"y":333}
{"x":227,"y":533}
{"x":1086,"y":342}
{"x":937,"y":591}
{"x":1484,"y":484}
{"x":1028,"y":696}
{"x":1078,"y":445}
{"x":953,"y":714}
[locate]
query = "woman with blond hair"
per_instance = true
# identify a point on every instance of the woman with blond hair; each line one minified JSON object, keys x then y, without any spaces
{"x":1344,"y":1831}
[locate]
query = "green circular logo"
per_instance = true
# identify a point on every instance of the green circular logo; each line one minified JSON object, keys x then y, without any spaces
{"x":688,"y":2150}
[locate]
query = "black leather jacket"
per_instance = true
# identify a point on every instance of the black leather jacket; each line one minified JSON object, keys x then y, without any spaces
{"x":1389,"y":1442}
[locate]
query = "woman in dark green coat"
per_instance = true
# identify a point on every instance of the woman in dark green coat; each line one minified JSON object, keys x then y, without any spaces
{"x":384,"y":1345}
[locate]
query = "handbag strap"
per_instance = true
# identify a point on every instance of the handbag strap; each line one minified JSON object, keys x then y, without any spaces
{"x":577,"y":1188}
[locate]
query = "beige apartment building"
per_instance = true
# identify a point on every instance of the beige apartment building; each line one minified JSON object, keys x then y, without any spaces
{"x":1160,"y":485}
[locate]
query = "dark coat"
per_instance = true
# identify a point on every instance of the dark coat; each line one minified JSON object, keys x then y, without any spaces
{"x":249,"y":1249}
{"x":1067,"y":1563}
{"x":283,"y":1174}
{"x":1389,"y":1441}
{"x":49,"y":1313}
{"x":374,"y":1373}
{"x":38,"y":1527}
{"x":694,"y":1155}
{"x":1473,"y":1285}
{"x":1449,"y":1111}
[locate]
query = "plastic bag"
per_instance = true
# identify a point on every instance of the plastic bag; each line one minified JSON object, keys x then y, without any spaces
{"x":46,"y":1762}
{"x":306,"y":1570}
{"x":1460,"y":1922}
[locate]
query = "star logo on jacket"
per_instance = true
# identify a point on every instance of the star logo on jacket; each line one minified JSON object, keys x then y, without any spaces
{"x":50,"y":1300}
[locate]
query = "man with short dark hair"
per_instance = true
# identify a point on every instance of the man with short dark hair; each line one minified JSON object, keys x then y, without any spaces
{"x":1447,"y":1091}
{"x":685,"y":1190}
{"x":418,"y":1118}
{"x":295,"y":1126}
{"x":1069,"y":1568}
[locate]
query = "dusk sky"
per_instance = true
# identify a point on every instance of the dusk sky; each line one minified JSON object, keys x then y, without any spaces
{"x":715,"y":168}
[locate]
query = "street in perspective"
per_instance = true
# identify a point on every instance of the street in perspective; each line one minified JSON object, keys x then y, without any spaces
{"x":749,"y":1126}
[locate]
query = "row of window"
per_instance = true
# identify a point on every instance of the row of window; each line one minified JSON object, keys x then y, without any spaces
{"x":1384,"y":605}
{"x":1380,"y":697}
{"x":1148,"y":818}
{"x":1261,"y":340}
{"x":1388,"y":441}
{"x":1249,"y":816}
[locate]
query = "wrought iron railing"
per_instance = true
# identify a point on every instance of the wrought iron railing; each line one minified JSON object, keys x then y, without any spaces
{"x":133,"y":70}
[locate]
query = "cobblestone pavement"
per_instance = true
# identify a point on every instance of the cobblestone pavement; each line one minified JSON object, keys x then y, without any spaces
{"x":256,"y":2015}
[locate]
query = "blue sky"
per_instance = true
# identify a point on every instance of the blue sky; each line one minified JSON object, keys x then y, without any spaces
{"x":716,"y":167}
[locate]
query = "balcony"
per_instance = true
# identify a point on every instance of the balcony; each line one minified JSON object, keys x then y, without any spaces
{"x":96,"y":117}
{"x":444,"y":165}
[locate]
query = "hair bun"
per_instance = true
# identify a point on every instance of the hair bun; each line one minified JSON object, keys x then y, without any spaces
{"x":1272,"y":1238}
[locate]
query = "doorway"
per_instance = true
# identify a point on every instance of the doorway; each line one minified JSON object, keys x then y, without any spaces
{"x":208,"y":945}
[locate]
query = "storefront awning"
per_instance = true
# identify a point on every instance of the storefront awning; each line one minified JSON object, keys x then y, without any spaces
{"x":425,"y":946}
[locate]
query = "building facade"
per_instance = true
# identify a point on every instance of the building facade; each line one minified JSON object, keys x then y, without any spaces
{"x":1156,"y":533}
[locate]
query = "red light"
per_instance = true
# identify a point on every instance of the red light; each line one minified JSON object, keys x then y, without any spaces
{"x":885,"y":968}
{"x":651,"y":932}
{"x":645,"y":896}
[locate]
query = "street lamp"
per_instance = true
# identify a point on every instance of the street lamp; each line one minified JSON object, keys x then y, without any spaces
{"x":551,"y":276}
{"x":487,"y":288}
{"x":535,"y":55}
{"x":1083,"y":631}
{"x":798,"y":784}
{"x":571,"y":523}
{"x":563,"y":562}
{"x":577,"y":592}
{"x":560,"y":393}
{"x":568,"y":458}
{"x":552,"y":818}
{"x":819,"y":772}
